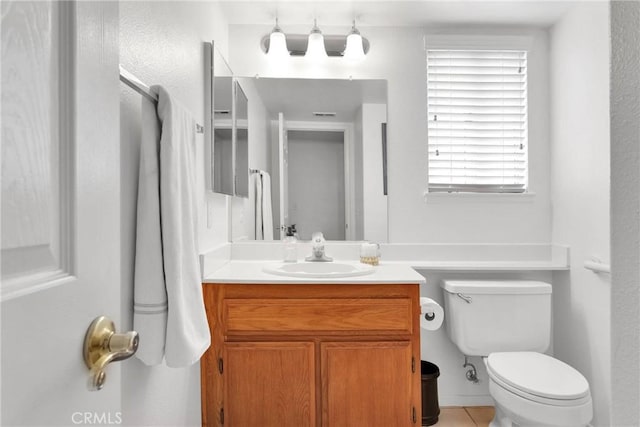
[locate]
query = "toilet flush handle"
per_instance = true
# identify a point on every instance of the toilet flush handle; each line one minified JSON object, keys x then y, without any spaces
{"x":465,"y":298}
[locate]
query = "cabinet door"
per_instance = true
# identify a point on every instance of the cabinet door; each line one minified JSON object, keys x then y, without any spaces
{"x":366,"y":384}
{"x":269,"y":384}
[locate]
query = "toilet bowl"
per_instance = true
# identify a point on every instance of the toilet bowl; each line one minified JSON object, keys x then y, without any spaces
{"x":534,"y":389}
{"x":508,"y":323}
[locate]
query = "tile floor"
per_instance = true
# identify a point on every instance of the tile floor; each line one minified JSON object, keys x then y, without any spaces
{"x":470,"y":416}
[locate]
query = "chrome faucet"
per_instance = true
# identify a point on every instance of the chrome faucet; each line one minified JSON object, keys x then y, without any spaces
{"x":317,"y":250}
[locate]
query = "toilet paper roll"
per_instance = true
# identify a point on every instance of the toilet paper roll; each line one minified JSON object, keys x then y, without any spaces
{"x":431,"y":314}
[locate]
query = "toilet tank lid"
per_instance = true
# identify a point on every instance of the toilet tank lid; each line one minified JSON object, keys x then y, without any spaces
{"x":496,"y":287}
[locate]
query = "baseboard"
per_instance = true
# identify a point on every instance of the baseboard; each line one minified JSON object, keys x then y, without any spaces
{"x":478,"y":400}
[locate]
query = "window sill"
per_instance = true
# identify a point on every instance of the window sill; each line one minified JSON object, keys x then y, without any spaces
{"x":479,"y":197}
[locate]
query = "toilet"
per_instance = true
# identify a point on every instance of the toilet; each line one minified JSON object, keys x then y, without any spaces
{"x":508,"y":324}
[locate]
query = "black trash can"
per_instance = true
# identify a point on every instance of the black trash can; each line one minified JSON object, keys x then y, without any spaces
{"x":430,"y":406}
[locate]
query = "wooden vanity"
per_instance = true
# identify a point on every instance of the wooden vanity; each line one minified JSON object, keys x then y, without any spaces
{"x":312,"y":355}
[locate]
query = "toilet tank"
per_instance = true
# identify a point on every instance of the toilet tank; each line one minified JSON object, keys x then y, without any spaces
{"x":484,"y":317}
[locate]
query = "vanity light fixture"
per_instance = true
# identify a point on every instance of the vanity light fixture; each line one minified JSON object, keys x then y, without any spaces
{"x":315,"y":48}
{"x":354,"y":51}
{"x":316,"y":45}
{"x":277,"y":44}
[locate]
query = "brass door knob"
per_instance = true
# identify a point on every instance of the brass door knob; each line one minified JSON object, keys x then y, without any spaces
{"x":102,"y":346}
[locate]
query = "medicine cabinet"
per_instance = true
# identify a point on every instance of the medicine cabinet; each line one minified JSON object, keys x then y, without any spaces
{"x":229,"y":147}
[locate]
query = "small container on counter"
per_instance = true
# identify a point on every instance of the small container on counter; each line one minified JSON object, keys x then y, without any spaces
{"x":290,"y":243}
{"x":370,"y":253}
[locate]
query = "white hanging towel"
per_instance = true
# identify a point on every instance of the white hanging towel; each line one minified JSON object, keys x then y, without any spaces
{"x":150,"y":293}
{"x":187,"y":332}
{"x":267,"y":213}
{"x":256,"y":201}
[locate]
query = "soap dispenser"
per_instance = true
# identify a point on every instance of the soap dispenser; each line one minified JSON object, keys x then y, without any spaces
{"x":290,"y":245}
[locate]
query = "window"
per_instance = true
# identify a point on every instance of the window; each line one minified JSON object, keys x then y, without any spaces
{"x":477,"y":113}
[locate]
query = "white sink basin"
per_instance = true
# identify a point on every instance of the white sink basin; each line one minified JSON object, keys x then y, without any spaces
{"x":319,"y":270}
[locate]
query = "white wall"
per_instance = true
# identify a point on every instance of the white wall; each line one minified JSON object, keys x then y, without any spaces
{"x":579,"y":53}
{"x":243,"y":212}
{"x":625,"y":211}
{"x":162,"y":43}
{"x":374,"y":201}
{"x":397,"y":54}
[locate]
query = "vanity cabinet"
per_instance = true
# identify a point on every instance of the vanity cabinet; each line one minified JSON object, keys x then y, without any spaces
{"x":272,"y":381}
{"x":312,"y":355}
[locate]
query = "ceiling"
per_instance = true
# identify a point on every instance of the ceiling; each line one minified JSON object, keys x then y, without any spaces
{"x":395,"y":13}
{"x":299,"y":98}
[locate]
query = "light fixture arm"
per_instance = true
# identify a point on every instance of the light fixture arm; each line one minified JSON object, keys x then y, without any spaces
{"x":354,"y":30}
{"x":277,"y":28}
{"x":315,"y":29}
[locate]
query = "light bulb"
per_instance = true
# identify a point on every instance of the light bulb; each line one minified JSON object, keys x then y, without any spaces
{"x":354,"y":51}
{"x":315,"y":47}
{"x":277,"y":44}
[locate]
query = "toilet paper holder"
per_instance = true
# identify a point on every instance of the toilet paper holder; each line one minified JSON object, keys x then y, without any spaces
{"x":431,"y":314}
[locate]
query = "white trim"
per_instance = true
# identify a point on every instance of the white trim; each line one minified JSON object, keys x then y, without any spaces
{"x":458,"y":41}
{"x":439,"y":197}
{"x":560,"y":254}
{"x":234,"y":137}
{"x":487,"y":266}
{"x":214,"y":258}
{"x":67,"y":136}
{"x":283,"y":183}
{"x":433,"y":256}
{"x":229,"y":212}
{"x":27,"y":285}
{"x":208,"y":113}
{"x":349,"y":171}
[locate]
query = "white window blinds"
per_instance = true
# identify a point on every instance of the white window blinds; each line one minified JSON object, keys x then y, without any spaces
{"x":477,"y":108}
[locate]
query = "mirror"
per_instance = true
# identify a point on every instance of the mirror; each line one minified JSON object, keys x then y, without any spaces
{"x":324,"y":148}
{"x":222,"y":135}
{"x":241,"y":136}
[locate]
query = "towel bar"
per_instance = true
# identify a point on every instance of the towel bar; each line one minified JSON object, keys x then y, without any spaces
{"x":134,"y":83}
{"x":597,"y":266}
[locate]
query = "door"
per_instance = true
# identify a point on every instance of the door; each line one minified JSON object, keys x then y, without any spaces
{"x":316,"y":193}
{"x":367,"y":384}
{"x":283,"y":165}
{"x":269,"y":384}
{"x":60,"y":207}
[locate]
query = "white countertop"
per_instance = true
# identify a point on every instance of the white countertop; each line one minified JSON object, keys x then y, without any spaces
{"x":252,"y":272}
{"x":242,"y":262}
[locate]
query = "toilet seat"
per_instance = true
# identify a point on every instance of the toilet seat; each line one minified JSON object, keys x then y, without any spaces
{"x":539,"y":378}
